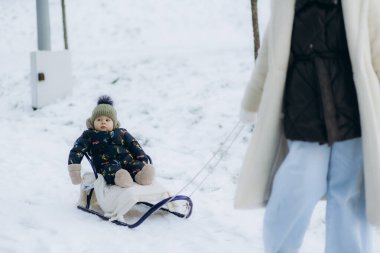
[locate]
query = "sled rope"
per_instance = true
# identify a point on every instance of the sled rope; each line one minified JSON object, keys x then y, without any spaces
{"x":220,"y":151}
{"x":222,"y":155}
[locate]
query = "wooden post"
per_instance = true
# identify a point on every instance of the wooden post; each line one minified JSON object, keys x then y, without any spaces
{"x":64,"y":24}
{"x":255,"y":26}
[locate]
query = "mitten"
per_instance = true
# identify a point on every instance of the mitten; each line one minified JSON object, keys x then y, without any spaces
{"x":146,"y":175}
{"x":123,"y":178}
{"x":74,"y":172}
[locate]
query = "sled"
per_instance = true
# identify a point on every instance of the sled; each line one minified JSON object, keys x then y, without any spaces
{"x":116,"y":204}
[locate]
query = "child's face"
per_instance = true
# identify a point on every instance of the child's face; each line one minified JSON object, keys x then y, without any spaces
{"x":103,"y":123}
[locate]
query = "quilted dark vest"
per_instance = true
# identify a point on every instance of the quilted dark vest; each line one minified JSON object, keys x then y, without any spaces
{"x":320,"y":101}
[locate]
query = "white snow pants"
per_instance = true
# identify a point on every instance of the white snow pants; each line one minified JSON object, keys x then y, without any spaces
{"x":309,"y":172}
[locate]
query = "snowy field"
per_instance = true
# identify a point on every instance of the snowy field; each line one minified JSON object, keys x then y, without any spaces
{"x":176,"y":71}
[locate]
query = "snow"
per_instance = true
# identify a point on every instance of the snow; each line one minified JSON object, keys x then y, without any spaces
{"x":176,"y":71}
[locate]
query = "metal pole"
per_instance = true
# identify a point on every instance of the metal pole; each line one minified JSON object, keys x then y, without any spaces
{"x":64,"y":24}
{"x":43,"y":25}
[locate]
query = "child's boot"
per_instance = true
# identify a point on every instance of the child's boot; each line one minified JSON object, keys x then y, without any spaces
{"x":146,"y":175}
{"x":123,"y":178}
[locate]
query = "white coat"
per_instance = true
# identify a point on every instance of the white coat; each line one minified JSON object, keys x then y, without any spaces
{"x":264,"y":95}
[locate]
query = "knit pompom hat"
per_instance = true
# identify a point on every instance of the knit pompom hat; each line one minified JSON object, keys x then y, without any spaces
{"x":104,"y":108}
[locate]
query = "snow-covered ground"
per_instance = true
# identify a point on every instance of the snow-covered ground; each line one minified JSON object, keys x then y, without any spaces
{"x":176,"y":71}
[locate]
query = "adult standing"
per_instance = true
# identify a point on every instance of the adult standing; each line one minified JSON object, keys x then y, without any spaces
{"x":316,"y":92}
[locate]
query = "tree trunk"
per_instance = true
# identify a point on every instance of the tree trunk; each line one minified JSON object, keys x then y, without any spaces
{"x":64,"y":24}
{"x":255,"y":25}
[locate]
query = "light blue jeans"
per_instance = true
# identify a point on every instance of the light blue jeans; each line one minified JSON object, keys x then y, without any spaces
{"x":309,"y":172}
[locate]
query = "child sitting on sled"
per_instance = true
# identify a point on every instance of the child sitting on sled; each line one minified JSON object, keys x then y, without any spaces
{"x":117,"y":156}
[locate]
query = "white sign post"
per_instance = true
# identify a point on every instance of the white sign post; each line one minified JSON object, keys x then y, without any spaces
{"x":51,"y":74}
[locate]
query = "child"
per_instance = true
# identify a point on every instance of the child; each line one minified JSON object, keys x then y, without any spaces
{"x":115,"y":153}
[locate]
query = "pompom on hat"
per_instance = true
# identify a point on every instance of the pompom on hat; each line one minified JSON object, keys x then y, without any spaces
{"x":104,"y":108}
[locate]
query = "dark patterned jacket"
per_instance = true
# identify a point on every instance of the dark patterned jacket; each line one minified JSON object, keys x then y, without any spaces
{"x":320,"y":101}
{"x":107,"y":148}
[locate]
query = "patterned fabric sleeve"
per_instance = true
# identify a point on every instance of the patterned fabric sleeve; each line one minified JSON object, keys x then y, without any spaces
{"x":134,"y":147}
{"x":80,"y":147}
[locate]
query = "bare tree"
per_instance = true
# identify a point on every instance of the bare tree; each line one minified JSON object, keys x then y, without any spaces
{"x":255,"y":26}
